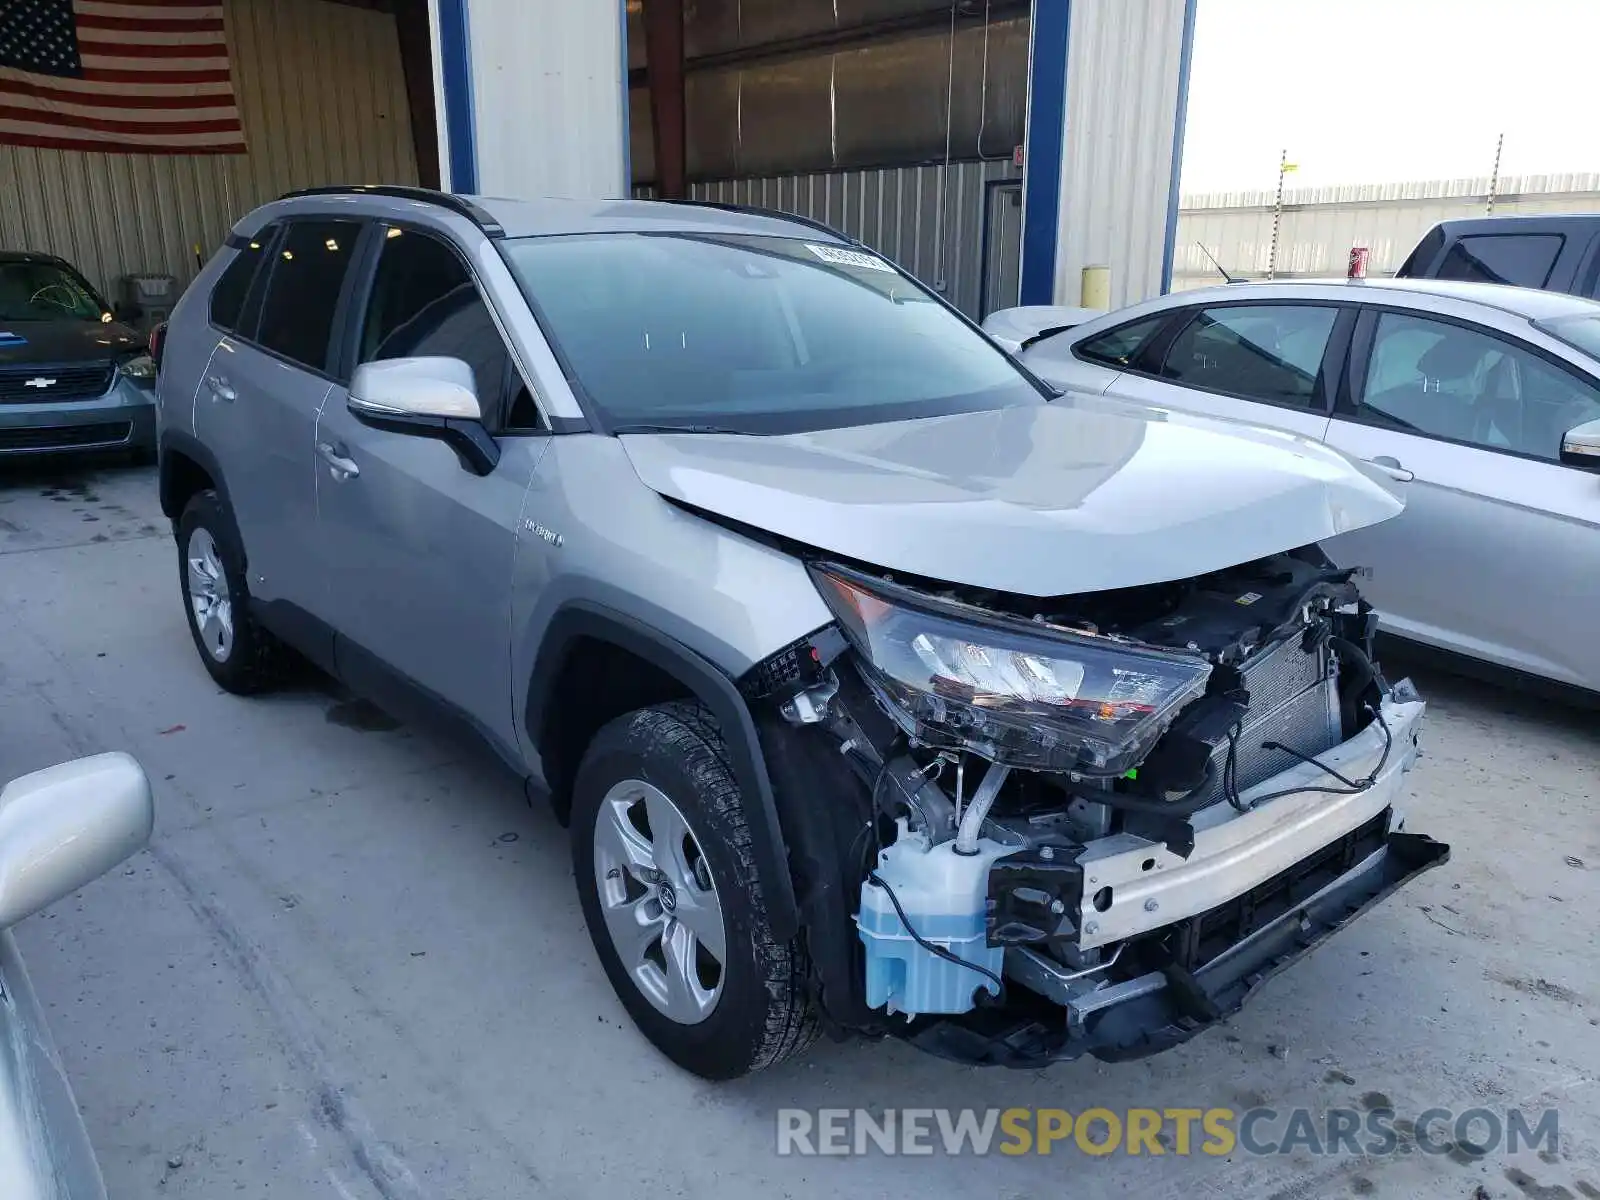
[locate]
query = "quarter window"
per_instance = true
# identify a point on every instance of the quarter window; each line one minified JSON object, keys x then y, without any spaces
{"x":1266,"y":352}
{"x":228,"y":296}
{"x":1522,"y":259}
{"x":424,"y":303}
{"x":308,"y":271}
{"x":1450,"y":381}
{"x":1116,"y":347}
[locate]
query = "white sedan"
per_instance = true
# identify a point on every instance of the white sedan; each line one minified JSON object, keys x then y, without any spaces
{"x":1484,"y":401}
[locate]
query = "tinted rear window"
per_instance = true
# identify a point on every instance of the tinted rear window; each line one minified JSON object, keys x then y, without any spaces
{"x":1420,"y":259}
{"x":227,"y":297}
{"x":308,"y":272}
{"x":1521,"y":259}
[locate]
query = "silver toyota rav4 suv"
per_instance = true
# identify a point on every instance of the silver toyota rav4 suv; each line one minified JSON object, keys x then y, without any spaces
{"x":885,"y":690}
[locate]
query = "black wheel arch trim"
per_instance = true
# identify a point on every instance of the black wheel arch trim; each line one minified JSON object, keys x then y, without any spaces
{"x":714,"y":688}
{"x":191,"y":447}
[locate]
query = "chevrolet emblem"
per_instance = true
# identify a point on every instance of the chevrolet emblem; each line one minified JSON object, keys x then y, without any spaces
{"x":39,"y":381}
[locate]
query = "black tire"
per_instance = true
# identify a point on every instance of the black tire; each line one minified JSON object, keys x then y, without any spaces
{"x":252,"y":661}
{"x":763,"y":1014}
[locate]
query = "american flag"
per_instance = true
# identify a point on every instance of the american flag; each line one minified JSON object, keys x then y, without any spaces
{"x":121,"y":75}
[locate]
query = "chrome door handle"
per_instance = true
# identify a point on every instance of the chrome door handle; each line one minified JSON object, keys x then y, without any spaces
{"x":221,"y":389}
{"x":1392,"y":468}
{"x":339,"y":466}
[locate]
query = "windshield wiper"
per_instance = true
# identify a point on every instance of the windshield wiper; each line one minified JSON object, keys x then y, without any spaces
{"x":648,"y":428}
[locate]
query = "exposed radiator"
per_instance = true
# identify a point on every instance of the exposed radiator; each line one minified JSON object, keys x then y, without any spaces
{"x":1294,"y":699}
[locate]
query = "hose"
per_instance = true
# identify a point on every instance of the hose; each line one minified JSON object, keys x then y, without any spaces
{"x":978,"y":811}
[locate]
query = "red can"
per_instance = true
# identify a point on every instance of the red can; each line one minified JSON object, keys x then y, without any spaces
{"x":1358,"y":262}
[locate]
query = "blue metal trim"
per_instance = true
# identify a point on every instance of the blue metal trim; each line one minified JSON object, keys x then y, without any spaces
{"x":627,"y":107}
{"x":455,"y":53}
{"x":1047,"y":121}
{"x":1185,"y":56}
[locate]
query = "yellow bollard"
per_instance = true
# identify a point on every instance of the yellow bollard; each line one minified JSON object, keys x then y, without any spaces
{"x":1096,"y":291}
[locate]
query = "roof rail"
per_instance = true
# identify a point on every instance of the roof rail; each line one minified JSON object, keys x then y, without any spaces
{"x":450,"y":200}
{"x":754,"y":211}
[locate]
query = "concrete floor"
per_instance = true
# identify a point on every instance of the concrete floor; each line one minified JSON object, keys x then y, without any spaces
{"x":351,"y":964}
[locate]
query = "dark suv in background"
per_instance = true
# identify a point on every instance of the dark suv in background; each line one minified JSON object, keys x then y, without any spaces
{"x":1557,"y":253}
{"x":72,"y":377}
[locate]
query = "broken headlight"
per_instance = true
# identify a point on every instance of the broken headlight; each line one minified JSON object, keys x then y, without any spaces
{"x":1027,"y":695}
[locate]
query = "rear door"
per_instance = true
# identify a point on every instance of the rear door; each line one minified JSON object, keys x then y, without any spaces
{"x":256,"y":407}
{"x":1267,"y":363}
{"x":1497,"y":553}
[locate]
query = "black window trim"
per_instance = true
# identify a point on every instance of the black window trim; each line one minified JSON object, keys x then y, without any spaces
{"x":1365,"y":337}
{"x":356,"y":319}
{"x":1146,"y":361}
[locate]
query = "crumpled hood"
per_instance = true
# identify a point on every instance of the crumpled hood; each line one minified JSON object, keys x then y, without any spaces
{"x":1078,"y":495}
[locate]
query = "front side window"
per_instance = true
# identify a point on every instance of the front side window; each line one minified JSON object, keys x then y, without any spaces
{"x":753,"y":334}
{"x":308,"y":272}
{"x":1466,"y":385}
{"x":1116,"y":347}
{"x":1521,"y":259}
{"x":424,"y":304}
{"x":32,"y":290}
{"x":1266,"y":352}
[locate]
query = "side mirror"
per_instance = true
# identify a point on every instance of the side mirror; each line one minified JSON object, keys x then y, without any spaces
{"x":1580,"y":447}
{"x":65,"y":826}
{"x":1018,"y":328}
{"x":426,"y":397}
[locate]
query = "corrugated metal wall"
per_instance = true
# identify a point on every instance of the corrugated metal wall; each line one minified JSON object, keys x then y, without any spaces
{"x":323,"y":100}
{"x":1122,"y":102}
{"x":881,"y":103}
{"x":548,"y":98}
{"x":1321,"y":224}
{"x":929,"y":222}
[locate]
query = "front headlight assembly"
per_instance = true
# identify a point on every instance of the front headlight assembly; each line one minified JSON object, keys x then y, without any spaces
{"x":1023,"y":694}
{"x":141,"y":367}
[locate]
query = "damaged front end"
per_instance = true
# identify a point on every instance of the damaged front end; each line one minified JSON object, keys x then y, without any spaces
{"x":1023,"y":830}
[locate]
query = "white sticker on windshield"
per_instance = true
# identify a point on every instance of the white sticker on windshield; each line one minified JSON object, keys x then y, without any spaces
{"x":849,"y":258}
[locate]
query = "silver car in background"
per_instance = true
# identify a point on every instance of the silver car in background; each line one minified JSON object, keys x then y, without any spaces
{"x":1482,"y":400}
{"x":60,"y":828}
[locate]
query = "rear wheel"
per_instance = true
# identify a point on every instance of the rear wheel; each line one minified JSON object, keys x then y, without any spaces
{"x":240,"y":655}
{"x":673,"y":902}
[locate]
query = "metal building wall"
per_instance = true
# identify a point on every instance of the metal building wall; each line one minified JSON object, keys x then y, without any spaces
{"x":323,"y":100}
{"x":1321,"y":224}
{"x":875,"y":104}
{"x":547,"y":95}
{"x":1124,"y":94}
{"x":932,"y":221}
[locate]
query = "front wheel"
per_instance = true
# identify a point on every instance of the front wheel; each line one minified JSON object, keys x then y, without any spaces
{"x":673,"y":902}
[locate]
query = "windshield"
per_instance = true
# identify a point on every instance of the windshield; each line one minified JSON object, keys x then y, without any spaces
{"x":1581,"y":331}
{"x":753,"y":334}
{"x":45,"y":291}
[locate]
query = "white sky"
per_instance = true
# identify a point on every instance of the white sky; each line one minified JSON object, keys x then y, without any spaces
{"x":1371,"y":91}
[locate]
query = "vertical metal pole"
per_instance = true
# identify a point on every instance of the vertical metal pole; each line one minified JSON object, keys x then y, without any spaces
{"x":1494,"y":179}
{"x":1277,"y":215}
{"x":663,"y":37}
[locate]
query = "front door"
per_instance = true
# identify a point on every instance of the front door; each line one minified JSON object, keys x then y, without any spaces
{"x":257,"y":405}
{"x":418,"y":549}
{"x":1256,"y":362}
{"x":1497,"y":553}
